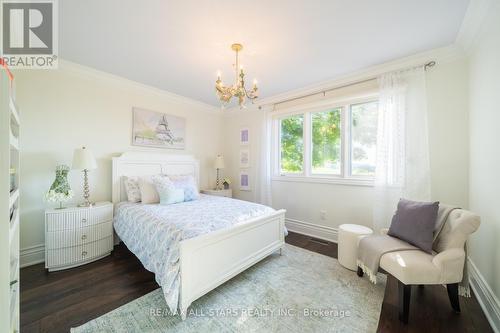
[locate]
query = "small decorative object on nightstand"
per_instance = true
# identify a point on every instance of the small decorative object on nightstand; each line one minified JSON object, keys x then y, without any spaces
{"x":221,"y":193}
{"x":78,"y":235}
{"x":60,"y":191}
{"x":84,"y":160}
{"x":226,"y":182}
{"x":219,"y":164}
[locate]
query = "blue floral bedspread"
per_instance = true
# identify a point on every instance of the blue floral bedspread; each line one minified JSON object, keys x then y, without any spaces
{"x":153,"y":232}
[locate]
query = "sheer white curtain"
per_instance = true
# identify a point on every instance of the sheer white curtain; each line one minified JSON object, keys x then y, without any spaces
{"x":265,"y":194}
{"x":402,"y":168}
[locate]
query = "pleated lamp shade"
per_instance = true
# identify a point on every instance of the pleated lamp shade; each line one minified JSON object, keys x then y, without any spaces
{"x":219,"y":162}
{"x":83,"y":159}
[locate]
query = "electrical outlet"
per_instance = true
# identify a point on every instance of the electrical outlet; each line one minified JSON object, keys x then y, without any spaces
{"x":322,"y":214}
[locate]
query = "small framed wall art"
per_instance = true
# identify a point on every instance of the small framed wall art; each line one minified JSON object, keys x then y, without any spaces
{"x":244,"y":136}
{"x":157,"y":129}
{"x":244,"y":181}
{"x":244,"y":158}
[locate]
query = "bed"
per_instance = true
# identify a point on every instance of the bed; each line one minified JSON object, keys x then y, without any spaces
{"x":192,"y":247}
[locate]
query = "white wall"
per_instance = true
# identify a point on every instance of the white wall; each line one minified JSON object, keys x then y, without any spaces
{"x":447,"y":101}
{"x":75,"y":106}
{"x":484,"y":194}
{"x":448,"y":138}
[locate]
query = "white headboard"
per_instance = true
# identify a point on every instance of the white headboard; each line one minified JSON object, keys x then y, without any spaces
{"x":144,"y":163}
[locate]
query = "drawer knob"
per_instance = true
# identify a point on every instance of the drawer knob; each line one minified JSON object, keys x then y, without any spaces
{"x":84,"y":220}
{"x":84,"y":237}
{"x":84,"y":253}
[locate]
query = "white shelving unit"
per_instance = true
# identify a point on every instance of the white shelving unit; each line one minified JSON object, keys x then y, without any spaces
{"x":9,"y":206}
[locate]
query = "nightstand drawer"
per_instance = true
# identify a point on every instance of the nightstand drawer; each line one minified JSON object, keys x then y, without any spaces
{"x":73,"y":218}
{"x":74,"y":255}
{"x":67,"y":238}
{"x":99,"y":214}
{"x":78,"y":235}
{"x":70,"y":219}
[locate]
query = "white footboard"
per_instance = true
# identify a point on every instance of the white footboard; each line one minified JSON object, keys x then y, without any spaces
{"x":210,"y":260}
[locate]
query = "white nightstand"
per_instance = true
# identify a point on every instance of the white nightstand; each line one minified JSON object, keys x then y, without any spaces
{"x":78,"y":235}
{"x":221,"y":193}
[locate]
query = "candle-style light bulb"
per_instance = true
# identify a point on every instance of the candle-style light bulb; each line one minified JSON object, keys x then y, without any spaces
{"x":218,"y":75}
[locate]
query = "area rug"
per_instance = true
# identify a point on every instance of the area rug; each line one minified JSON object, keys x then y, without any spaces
{"x":300,"y":291}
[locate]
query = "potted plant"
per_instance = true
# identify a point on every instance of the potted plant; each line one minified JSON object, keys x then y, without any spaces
{"x":226,"y":182}
{"x":60,"y":190}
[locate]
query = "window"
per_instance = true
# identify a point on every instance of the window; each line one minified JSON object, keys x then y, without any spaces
{"x":326,"y":148}
{"x":328,"y":144}
{"x":363,"y":138}
{"x":292,"y":144}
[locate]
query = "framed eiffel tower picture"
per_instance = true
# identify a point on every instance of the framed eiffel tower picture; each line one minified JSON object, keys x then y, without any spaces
{"x":158,"y":130}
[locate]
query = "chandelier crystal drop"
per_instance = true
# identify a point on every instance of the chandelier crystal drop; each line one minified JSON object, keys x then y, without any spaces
{"x":237,"y":90}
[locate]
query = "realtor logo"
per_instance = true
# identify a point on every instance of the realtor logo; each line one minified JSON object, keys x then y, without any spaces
{"x":29,"y":38}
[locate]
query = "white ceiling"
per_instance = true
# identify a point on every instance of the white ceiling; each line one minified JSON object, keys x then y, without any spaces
{"x":179,"y":45}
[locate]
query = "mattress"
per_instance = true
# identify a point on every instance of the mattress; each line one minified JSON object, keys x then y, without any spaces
{"x":153,"y":232}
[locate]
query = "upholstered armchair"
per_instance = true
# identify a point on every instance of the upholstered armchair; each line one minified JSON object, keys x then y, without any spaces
{"x":444,"y":266}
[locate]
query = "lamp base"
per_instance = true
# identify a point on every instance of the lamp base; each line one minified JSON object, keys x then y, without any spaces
{"x":217,"y":182}
{"x":86,"y":190}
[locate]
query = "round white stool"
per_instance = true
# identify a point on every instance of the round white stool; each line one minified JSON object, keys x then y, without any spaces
{"x":349,"y":236}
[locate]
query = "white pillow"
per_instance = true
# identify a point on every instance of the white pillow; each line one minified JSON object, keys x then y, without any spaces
{"x":188,"y":184}
{"x":149,"y":194}
{"x":167,"y":192}
{"x":132,"y":188}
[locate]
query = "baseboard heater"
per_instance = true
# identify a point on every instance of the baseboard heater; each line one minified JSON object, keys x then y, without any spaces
{"x":319,"y":241}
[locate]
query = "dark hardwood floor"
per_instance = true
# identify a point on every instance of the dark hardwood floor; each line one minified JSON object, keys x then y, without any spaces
{"x":55,"y":302}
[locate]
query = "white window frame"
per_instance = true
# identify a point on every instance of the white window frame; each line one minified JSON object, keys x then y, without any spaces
{"x":345,"y":177}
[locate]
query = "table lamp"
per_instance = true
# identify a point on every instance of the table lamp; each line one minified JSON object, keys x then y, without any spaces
{"x":85,"y":161}
{"x":219,"y":164}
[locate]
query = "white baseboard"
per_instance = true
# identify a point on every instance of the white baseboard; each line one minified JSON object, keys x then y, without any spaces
{"x":312,"y":230}
{"x":32,"y":255}
{"x":487,"y":299}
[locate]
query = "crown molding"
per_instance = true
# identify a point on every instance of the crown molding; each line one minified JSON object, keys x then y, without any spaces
{"x":440,"y":55}
{"x":92,"y":73}
{"x":472,"y":24}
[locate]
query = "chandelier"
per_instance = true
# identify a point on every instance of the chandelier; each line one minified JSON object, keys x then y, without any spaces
{"x":238,"y":89}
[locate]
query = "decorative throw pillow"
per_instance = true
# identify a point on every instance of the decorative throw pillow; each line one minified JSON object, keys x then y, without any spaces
{"x":167,"y":192}
{"x":188,"y":184}
{"x":132,"y":188}
{"x":149,"y":195}
{"x":414,"y":223}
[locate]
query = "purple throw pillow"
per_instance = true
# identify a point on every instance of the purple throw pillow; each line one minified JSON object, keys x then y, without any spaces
{"x":414,"y":223}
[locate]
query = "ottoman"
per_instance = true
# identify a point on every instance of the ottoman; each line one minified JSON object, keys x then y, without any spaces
{"x":349,"y":236}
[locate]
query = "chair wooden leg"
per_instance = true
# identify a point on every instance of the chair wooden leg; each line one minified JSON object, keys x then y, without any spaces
{"x":453,"y":296}
{"x":404,"y":292}
{"x":360,"y":272}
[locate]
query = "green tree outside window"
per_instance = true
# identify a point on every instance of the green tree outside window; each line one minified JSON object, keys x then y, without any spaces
{"x":292,"y":144}
{"x":326,"y":147}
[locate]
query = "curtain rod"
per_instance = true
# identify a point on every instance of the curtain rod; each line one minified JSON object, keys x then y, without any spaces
{"x":425,"y":66}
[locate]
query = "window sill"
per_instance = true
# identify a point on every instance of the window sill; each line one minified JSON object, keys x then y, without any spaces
{"x":325,"y":180}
